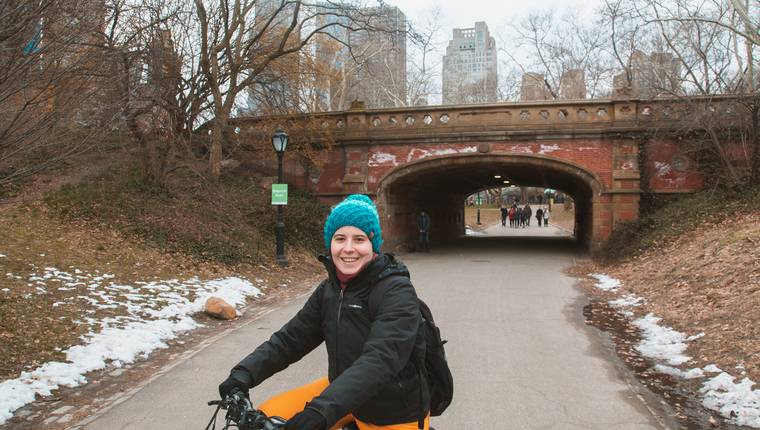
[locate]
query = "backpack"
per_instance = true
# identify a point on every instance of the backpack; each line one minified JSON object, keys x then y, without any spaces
{"x":436,"y":368}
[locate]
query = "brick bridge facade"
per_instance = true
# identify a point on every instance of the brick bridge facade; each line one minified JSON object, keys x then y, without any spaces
{"x":601,"y":152}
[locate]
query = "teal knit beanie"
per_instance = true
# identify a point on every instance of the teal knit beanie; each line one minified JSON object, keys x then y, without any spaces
{"x":356,"y":210}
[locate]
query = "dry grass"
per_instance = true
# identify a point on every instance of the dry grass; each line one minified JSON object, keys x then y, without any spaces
{"x":707,"y":280}
{"x":33,"y":331}
{"x":106,"y":220}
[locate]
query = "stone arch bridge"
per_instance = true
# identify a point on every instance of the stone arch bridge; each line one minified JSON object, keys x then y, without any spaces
{"x":603,"y":153}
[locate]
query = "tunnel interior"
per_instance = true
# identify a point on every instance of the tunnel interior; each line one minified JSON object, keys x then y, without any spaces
{"x":440,"y":186}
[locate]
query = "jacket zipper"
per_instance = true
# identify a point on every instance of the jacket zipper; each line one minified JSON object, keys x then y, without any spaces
{"x":337,"y":332}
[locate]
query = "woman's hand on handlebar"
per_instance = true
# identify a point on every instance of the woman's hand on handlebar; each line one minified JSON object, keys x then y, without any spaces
{"x":231,"y":384}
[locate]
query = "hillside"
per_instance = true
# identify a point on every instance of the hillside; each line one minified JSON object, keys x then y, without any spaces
{"x":88,"y":249}
{"x":697,"y":267}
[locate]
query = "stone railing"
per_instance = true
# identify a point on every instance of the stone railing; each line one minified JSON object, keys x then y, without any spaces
{"x":554,"y":116}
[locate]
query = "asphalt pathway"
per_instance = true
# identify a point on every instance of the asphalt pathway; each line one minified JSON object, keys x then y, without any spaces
{"x":521,"y":355}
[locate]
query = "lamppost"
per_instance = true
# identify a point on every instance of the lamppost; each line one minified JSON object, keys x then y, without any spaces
{"x":279,"y":143}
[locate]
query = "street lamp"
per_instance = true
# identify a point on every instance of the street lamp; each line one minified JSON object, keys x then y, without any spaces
{"x":279,"y":143}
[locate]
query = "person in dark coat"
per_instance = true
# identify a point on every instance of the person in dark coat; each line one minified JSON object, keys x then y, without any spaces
{"x":504,"y":214}
{"x":527,"y":213}
{"x":423,"y":224}
{"x":372,"y":375}
{"x":540,"y":216}
{"x":519,"y":218}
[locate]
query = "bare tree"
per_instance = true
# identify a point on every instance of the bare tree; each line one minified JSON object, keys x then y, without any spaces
{"x":45,"y":64}
{"x":558,"y":48}
{"x":710,"y":48}
{"x":242,"y":40}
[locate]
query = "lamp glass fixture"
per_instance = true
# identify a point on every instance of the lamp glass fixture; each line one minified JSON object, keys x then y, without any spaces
{"x":497,"y":176}
{"x":279,"y":140}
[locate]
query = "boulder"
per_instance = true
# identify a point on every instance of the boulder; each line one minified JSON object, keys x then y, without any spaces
{"x":218,"y":308}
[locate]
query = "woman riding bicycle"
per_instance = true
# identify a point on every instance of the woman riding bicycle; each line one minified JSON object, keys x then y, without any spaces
{"x":373,"y":376}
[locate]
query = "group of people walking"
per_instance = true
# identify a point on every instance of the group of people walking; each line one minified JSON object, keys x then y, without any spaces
{"x":520,"y":216}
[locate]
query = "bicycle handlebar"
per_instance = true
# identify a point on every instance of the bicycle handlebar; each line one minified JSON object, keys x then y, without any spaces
{"x":242,"y":414}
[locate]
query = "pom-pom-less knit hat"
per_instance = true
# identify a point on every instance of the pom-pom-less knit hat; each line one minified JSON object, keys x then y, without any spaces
{"x":356,"y":210}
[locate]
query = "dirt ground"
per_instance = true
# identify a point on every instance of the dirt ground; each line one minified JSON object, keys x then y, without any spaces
{"x":34,"y":330}
{"x":708,"y":281}
{"x":37,"y":325}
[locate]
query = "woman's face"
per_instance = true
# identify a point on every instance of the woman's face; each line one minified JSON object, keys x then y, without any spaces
{"x":350,"y":249}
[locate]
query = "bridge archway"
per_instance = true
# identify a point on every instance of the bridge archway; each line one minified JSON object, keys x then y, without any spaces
{"x":440,"y":184}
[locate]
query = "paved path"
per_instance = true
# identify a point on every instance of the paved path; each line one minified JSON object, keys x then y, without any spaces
{"x":531,"y":231}
{"x":521,"y":356}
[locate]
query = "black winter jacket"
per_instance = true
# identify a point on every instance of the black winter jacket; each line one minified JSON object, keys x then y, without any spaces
{"x":372,"y":368}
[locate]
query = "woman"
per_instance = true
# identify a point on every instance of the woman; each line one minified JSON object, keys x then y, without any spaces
{"x":372,"y":378}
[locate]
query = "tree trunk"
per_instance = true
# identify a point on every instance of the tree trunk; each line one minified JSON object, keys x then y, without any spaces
{"x":217,"y":141}
{"x":754,"y":141}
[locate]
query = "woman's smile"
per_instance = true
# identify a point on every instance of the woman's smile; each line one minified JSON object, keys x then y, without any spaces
{"x":351,"y":250}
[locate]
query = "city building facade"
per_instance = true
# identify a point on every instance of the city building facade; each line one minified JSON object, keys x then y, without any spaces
{"x":651,"y":75}
{"x":470,"y":71}
{"x":379,"y":54}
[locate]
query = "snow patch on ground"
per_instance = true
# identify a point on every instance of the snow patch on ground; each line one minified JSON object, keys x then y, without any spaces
{"x":738,"y":402}
{"x":121,"y":339}
{"x":673,"y":371}
{"x":734,"y":400}
{"x":606,"y":283}
{"x":661,"y":342}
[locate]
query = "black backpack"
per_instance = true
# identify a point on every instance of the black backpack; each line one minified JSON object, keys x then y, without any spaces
{"x":436,"y":368}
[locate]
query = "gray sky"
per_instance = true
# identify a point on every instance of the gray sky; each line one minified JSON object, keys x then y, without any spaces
{"x":496,"y":13}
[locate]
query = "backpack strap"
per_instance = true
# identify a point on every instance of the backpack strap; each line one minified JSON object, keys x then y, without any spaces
{"x":377,"y":292}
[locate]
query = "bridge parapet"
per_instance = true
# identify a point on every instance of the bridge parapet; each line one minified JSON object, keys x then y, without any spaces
{"x":598,"y":151}
{"x":514,"y":119}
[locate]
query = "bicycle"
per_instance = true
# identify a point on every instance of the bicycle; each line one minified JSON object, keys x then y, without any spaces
{"x":242,"y":415}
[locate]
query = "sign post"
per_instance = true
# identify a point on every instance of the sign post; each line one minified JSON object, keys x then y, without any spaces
{"x":279,"y":194}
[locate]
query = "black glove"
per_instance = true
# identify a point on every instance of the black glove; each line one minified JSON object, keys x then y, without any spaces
{"x":238,"y":380}
{"x":309,"y":419}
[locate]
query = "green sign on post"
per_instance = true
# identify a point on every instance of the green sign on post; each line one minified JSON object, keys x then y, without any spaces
{"x":279,"y":194}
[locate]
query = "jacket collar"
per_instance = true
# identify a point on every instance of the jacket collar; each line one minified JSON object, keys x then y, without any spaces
{"x":381,"y":267}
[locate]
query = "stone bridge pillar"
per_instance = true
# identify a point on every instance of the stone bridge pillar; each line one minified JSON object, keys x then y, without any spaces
{"x":356,"y":170}
{"x":621,"y":202}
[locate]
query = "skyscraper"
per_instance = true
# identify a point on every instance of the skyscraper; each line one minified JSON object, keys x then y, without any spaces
{"x":277,"y":88}
{"x":652,"y":75}
{"x":333,"y":62}
{"x":367,"y":64}
{"x":380,"y":53}
{"x":470,"y":72}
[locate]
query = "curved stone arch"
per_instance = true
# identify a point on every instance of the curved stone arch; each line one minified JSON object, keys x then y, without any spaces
{"x":441,"y":161}
{"x":397,"y":210}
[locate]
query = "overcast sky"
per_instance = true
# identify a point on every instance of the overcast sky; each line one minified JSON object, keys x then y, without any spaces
{"x":464,"y":13}
{"x":497,"y":14}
